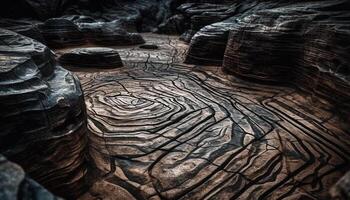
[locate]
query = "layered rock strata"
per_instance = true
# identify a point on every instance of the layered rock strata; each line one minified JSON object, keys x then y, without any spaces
{"x":92,"y":57}
{"x":42,"y":115}
{"x":68,"y":31}
{"x":15,"y":184}
{"x":286,"y":46}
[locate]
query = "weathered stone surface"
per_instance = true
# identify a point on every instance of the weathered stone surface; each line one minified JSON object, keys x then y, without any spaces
{"x":74,"y":30}
{"x":42,"y":115}
{"x":24,"y":27}
{"x":208,"y":45}
{"x":14,"y":184}
{"x":109,"y":34}
{"x":59,"y":32}
{"x":341,"y":190}
{"x":92,"y":57}
{"x":203,"y":14}
{"x":48,"y":9}
{"x":287,"y":46}
{"x":164,"y":130}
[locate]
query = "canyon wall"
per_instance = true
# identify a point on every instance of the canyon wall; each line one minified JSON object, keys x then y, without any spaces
{"x":43,"y":117}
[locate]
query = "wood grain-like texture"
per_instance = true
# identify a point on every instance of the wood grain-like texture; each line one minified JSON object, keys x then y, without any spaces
{"x":162,"y":130}
{"x":42,"y":115}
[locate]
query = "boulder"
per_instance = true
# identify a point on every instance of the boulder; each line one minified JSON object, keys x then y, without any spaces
{"x":92,"y":57}
{"x":60,"y":32}
{"x":42,"y":115}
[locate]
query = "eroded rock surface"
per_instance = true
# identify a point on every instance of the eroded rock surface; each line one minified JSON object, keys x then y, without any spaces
{"x":43,"y":118}
{"x":14,"y":184}
{"x":286,"y":46}
{"x":92,"y":57}
{"x":163,"y":130}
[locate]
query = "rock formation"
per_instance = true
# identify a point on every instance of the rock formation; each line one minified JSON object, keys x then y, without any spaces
{"x":15,"y":184}
{"x":253,"y":103}
{"x":43,"y":118}
{"x":286,"y":46}
{"x":92,"y":57}
{"x":60,"y":32}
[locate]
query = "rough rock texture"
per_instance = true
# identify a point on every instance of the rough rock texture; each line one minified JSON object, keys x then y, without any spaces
{"x":248,"y":14}
{"x":27,"y":28}
{"x":73,"y":31}
{"x":108,"y":34}
{"x":341,"y":190}
{"x":42,"y":115}
{"x":164,"y":130}
{"x":60,"y":32}
{"x":310,"y":49}
{"x":199,"y":15}
{"x":15,"y":184}
{"x":92,"y":57}
{"x":149,"y":46}
{"x":207,"y":46}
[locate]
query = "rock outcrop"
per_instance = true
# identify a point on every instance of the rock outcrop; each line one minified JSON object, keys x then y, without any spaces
{"x":71,"y":31}
{"x":199,"y":15}
{"x":42,"y":115}
{"x":15,"y":184}
{"x":27,"y":28}
{"x":92,"y":57}
{"x":59,"y":32}
{"x":308,"y":48}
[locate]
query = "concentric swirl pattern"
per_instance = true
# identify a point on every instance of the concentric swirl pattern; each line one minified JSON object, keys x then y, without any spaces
{"x":167,"y":131}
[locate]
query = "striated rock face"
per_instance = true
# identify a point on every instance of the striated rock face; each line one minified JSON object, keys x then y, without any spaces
{"x":73,"y":31}
{"x":24,"y":27}
{"x":92,"y":57}
{"x":42,"y":115}
{"x":109,"y":34}
{"x":200,"y":15}
{"x":61,"y":32}
{"x":207,"y":46}
{"x":14,"y":184}
{"x":47,"y":9}
{"x":292,"y":45}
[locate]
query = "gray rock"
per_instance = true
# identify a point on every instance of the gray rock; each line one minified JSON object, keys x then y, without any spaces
{"x":42,"y":115}
{"x":92,"y":57}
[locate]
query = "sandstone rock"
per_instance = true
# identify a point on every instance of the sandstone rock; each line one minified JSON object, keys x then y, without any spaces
{"x":208,"y":45}
{"x":60,"y":32}
{"x":43,"y":118}
{"x":92,"y":57}
{"x":292,"y":45}
{"x":14,"y":184}
{"x":109,"y":34}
